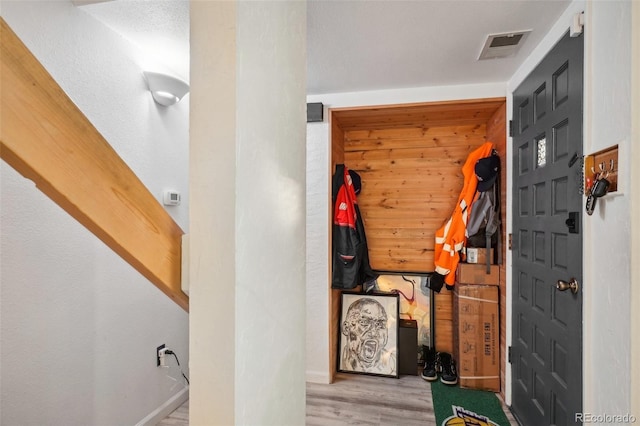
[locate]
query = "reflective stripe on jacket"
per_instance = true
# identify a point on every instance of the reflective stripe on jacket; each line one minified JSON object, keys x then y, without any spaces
{"x":452,"y":237}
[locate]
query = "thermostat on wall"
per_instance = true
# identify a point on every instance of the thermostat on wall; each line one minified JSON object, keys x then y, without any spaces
{"x":171,"y":198}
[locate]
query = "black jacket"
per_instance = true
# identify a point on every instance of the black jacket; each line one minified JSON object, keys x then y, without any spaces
{"x":350,"y":252}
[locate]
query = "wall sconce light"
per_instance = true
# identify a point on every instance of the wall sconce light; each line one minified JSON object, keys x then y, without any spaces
{"x":165,"y":89}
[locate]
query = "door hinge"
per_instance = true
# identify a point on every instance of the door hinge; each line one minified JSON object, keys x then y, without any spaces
{"x":510,"y":241}
{"x":510,"y":128}
{"x":577,"y":25}
{"x":509,"y":354}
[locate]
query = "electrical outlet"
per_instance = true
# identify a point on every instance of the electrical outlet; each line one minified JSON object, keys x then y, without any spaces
{"x":158,"y":349}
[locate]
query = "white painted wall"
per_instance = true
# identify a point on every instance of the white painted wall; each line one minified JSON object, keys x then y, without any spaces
{"x":248,"y":213}
{"x":319,"y":193}
{"x":635,"y":209}
{"x":212,"y":210}
{"x":607,"y":302}
{"x":78,"y":325}
{"x":318,"y":251}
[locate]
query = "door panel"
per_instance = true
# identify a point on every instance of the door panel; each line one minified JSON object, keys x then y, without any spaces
{"x":547,"y":323}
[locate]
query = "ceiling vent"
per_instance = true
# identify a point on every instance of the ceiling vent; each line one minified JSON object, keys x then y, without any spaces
{"x":503,"y":45}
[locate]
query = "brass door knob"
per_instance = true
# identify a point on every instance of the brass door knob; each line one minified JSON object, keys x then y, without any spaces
{"x":563,"y":285}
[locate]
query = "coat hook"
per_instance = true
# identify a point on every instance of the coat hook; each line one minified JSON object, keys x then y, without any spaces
{"x":612,"y":164}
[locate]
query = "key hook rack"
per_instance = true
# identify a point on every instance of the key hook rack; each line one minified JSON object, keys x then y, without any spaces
{"x":602,"y":164}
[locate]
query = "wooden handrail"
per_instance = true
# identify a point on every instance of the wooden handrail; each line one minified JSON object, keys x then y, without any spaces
{"x":47,"y":139}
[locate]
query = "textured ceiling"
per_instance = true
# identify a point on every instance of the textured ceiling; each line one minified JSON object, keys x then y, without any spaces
{"x":361,"y":45}
{"x":366,"y":45}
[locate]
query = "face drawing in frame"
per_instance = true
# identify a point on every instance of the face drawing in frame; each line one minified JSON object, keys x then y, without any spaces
{"x":366,"y":335}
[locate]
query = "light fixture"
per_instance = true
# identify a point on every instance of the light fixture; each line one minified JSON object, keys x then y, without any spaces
{"x":165,"y":89}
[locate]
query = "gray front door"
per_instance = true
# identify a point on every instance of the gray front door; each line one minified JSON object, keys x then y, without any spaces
{"x":546,"y":353}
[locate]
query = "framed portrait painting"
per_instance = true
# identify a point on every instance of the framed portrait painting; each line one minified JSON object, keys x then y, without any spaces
{"x":369,"y":334}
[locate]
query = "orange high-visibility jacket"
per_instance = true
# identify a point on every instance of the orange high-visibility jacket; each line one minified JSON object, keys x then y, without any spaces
{"x":452,"y":237}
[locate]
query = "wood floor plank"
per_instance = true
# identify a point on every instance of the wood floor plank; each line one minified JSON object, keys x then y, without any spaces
{"x":179,"y":417}
{"x":358,"y":399}
{"x":362,"y":399}
{"x":341,"y":413}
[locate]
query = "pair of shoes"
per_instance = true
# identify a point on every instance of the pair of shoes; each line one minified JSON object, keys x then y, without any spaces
{"x":438,"y":362}
{"x":430,"y":371}
{"x":448,"y":373}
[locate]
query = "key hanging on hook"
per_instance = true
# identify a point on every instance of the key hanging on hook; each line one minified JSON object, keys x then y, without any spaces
{"x":598,"y":189}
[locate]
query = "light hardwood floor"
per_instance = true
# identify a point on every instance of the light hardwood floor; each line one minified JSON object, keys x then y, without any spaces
{"x":355,"y":399}
{"x":180,"y":417}
{"x":369,"y":400}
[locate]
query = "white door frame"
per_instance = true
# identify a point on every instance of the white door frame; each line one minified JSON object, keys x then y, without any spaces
{"x":635,"y":208}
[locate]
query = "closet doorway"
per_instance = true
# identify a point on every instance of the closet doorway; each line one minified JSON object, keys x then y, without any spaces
{"x":409,"y":158}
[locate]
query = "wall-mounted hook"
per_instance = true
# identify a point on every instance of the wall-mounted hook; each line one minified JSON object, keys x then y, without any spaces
{"x":603,"y":166}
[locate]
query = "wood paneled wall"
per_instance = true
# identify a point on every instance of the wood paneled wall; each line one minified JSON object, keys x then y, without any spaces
{"x":411,"y":179}
{"x":443,"y":327}
{"x":410,"y":160}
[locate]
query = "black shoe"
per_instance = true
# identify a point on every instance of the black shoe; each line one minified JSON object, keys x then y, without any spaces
{"x":448,"y":374}
{"x":429,"y":372}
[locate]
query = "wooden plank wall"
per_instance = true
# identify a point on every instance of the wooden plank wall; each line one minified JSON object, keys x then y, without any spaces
{"x":443,"y":327}
{"x":411,"y":180}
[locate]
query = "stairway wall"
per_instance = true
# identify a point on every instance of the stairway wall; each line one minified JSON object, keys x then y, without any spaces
{"x":78,"y":325}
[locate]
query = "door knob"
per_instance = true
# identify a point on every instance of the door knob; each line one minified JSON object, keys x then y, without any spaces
{"x":563,"y":285}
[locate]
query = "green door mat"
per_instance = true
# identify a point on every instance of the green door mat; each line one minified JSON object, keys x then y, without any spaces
{"x":455,"y":406}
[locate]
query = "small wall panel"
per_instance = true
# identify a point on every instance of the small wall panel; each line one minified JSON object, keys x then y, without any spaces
{"x":337,"y":146}
{"x":434,"y":114}
{"x":443,"y":327}
{"x":420,"y":138}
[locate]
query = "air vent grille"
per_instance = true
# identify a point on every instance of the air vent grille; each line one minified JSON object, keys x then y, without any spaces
{"x":503,"y":45}
{"x":509,"y":40}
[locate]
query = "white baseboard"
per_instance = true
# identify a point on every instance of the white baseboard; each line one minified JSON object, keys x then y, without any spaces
{"x":165,"y":409}
{"x":318,"y":377}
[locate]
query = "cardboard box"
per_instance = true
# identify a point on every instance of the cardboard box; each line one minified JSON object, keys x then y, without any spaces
{"x":469,"y":273}
{"x":476,"y":336}
{"x":479,"y":255}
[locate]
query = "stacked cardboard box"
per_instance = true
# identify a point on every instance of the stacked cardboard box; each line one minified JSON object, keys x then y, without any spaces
{"x":468,"y":273}
{"x":479,"y":255}
{"x":476,"y":327}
